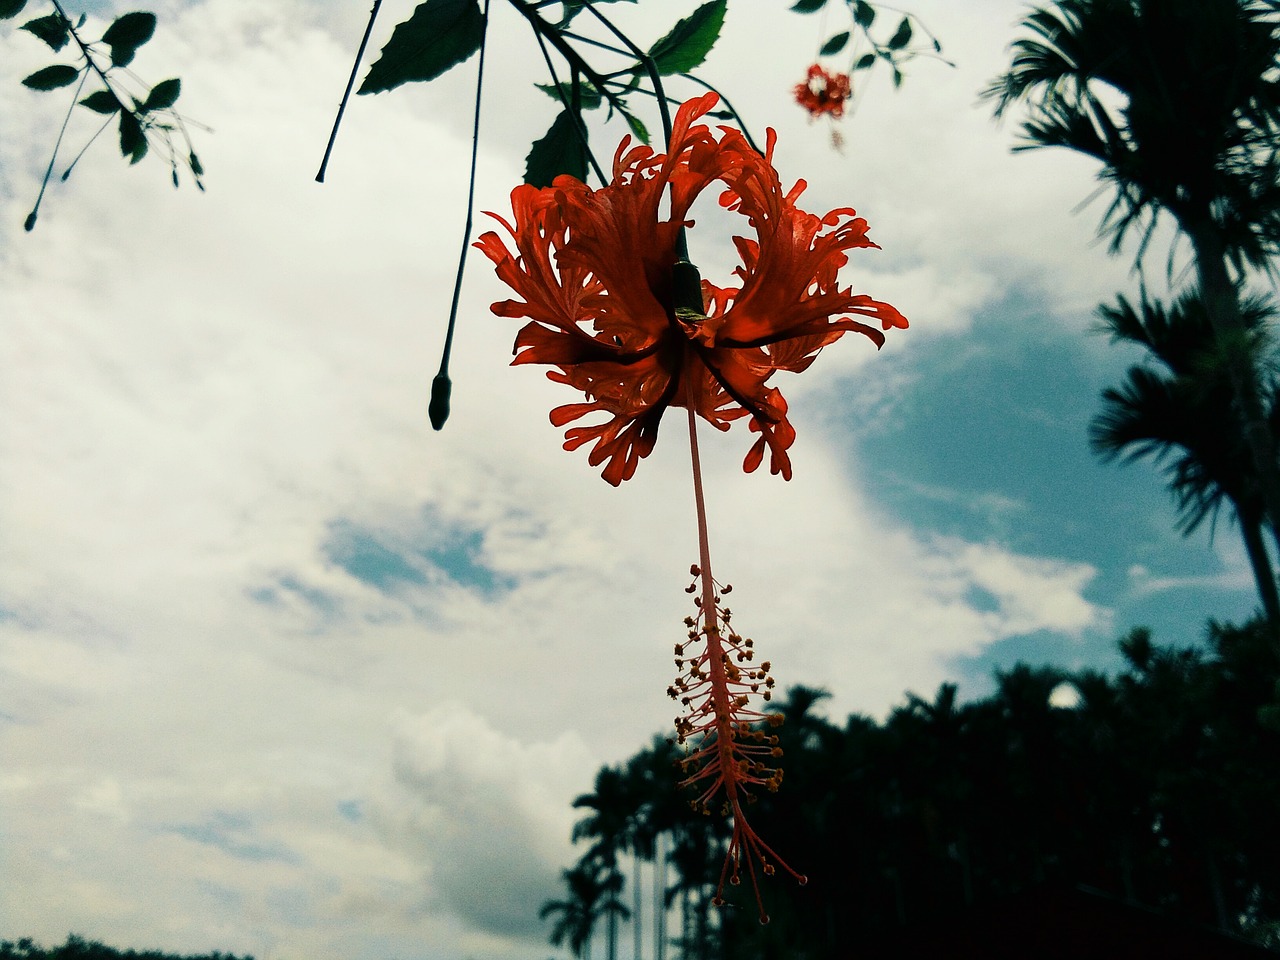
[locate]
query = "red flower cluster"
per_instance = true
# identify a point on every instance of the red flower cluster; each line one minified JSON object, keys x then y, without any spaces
{"x":611,"y":309}
{"x":823,"y":92}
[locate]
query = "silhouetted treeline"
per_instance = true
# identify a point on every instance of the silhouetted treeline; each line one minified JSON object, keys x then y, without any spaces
{"x":1159,"y":786}
{"x":78,"y":948}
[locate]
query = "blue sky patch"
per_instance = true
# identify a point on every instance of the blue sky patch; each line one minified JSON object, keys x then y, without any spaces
{"x":235,"y":835}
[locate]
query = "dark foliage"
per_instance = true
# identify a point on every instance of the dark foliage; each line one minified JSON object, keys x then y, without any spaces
{"x":1156,"y":788}
{"x":78,"y":948}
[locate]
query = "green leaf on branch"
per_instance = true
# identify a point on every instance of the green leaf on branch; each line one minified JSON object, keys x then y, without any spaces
{"x":574,"y":7}
{"x":51,"y":78}
{"x":640,"y":131}
{"x":163,"y":95}
{"x":902,"y":37}
{"x":690,"y":40}
{"x":560,"y":151}
{"x":808,"y":6}
{"x":53,"y":30}
{"x":866,"y":60}
{"x":11,"y":8}
{"x":864,"y":14}
{"x":835,"y":44}
{"x":440,"y":35}
{"x":101,"y":101}
{"x":126,"y":34}
{"x":133,"y":142}
{"x":588,"y":96}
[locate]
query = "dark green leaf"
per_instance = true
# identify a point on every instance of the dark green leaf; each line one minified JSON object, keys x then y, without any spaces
{"x":126,"y":34}
{"x":835,"y":44}
{"x":690,"y":40}
{"x":11,"y":8}
{"x":101,"y":101}
{"x":560,"y":151}
{"x":808,"y":6}
{"x":864,"y":61}
{"x":440,"y":35}
{"x":30,"y":223}
{"x":902,"y":37}
{"x":196,"y":167}
{"x":639,"y":129}
{"x":588,"y":96}
{"x":53,"y":30}
{"x":573,"y":7}
{"x":864,"y":13}
{"x":163,"y":95}
{"x":133,"y":142}
{"x":51,"y":78}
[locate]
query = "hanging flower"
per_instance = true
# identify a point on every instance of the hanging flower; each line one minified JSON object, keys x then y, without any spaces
{"x":626,"y":321}
{"x":823,"y":92}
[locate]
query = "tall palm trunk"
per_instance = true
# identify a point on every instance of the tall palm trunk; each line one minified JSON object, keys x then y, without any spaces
{"x":637,"y":928}
{"x":1223,"y":306}
{"x":1263,"y":573}
{"x":659,"y":898}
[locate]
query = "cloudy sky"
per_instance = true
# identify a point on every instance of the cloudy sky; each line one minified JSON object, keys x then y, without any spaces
{"x":284,"y":671}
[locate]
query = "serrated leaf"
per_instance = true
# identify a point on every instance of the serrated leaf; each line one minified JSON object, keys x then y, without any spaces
{"x":11,"y":8}
{"x":864,"y":61}
{"x":690,"y":40}
{"x":440,"y":35}
{"x":864,"y":14}
{"x":808,"y":6}
{"x":588,"y":96}
{"x":52,"y":29}
{"x":133,"y":142}
{"x":560,"y":151}
{"x":835,"y":44}
{"x":902,"y":37}
{"x":101,"y":101}
{"x":163,"y":95}
{"x":51,"y":78}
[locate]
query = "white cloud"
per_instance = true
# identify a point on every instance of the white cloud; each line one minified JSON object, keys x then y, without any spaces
{"x":217,"y":736}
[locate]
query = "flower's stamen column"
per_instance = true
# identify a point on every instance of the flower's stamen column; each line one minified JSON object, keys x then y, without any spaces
{"x":732,"y":751}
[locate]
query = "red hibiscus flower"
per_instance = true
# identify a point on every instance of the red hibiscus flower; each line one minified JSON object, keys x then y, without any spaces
{"x":624,"y":318}
{"x":823,"y":92}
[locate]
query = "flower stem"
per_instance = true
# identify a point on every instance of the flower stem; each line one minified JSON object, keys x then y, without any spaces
{"x":442,"y":386}
{"x":355,"y":67}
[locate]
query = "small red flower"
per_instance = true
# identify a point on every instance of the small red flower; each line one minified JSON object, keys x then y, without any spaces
{"x":823,"y":92}
{"x":612,"y":310}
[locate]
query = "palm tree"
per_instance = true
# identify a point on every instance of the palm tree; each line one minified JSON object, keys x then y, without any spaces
{"x":1186,"y":416}
{"x":613,"y":807}
{"x":579,"y":912}
{"x":1179,"y":100}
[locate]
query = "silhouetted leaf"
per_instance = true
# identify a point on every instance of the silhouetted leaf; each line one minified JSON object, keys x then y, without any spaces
{"x":573,"y":7}
{"x":51,"y":78}
{"x":588,"y":96}
{"x":690,"y":40}
{"x":53,"y":30}
{"x":133,"y":142}
{"x":196,"y":167}
{"x":11,"y":8}
{"x":902,"y":37}
{"x":864,"y":13}
{"x":163,"y":95}
{"x":808,"y":6}
{"x":101,"y":101}
{"x":127,"y":33}
{"x":864,"y":61}
{"x":440,"y":35}
{"x":560,"y":151}
{"x":835,"y":44}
